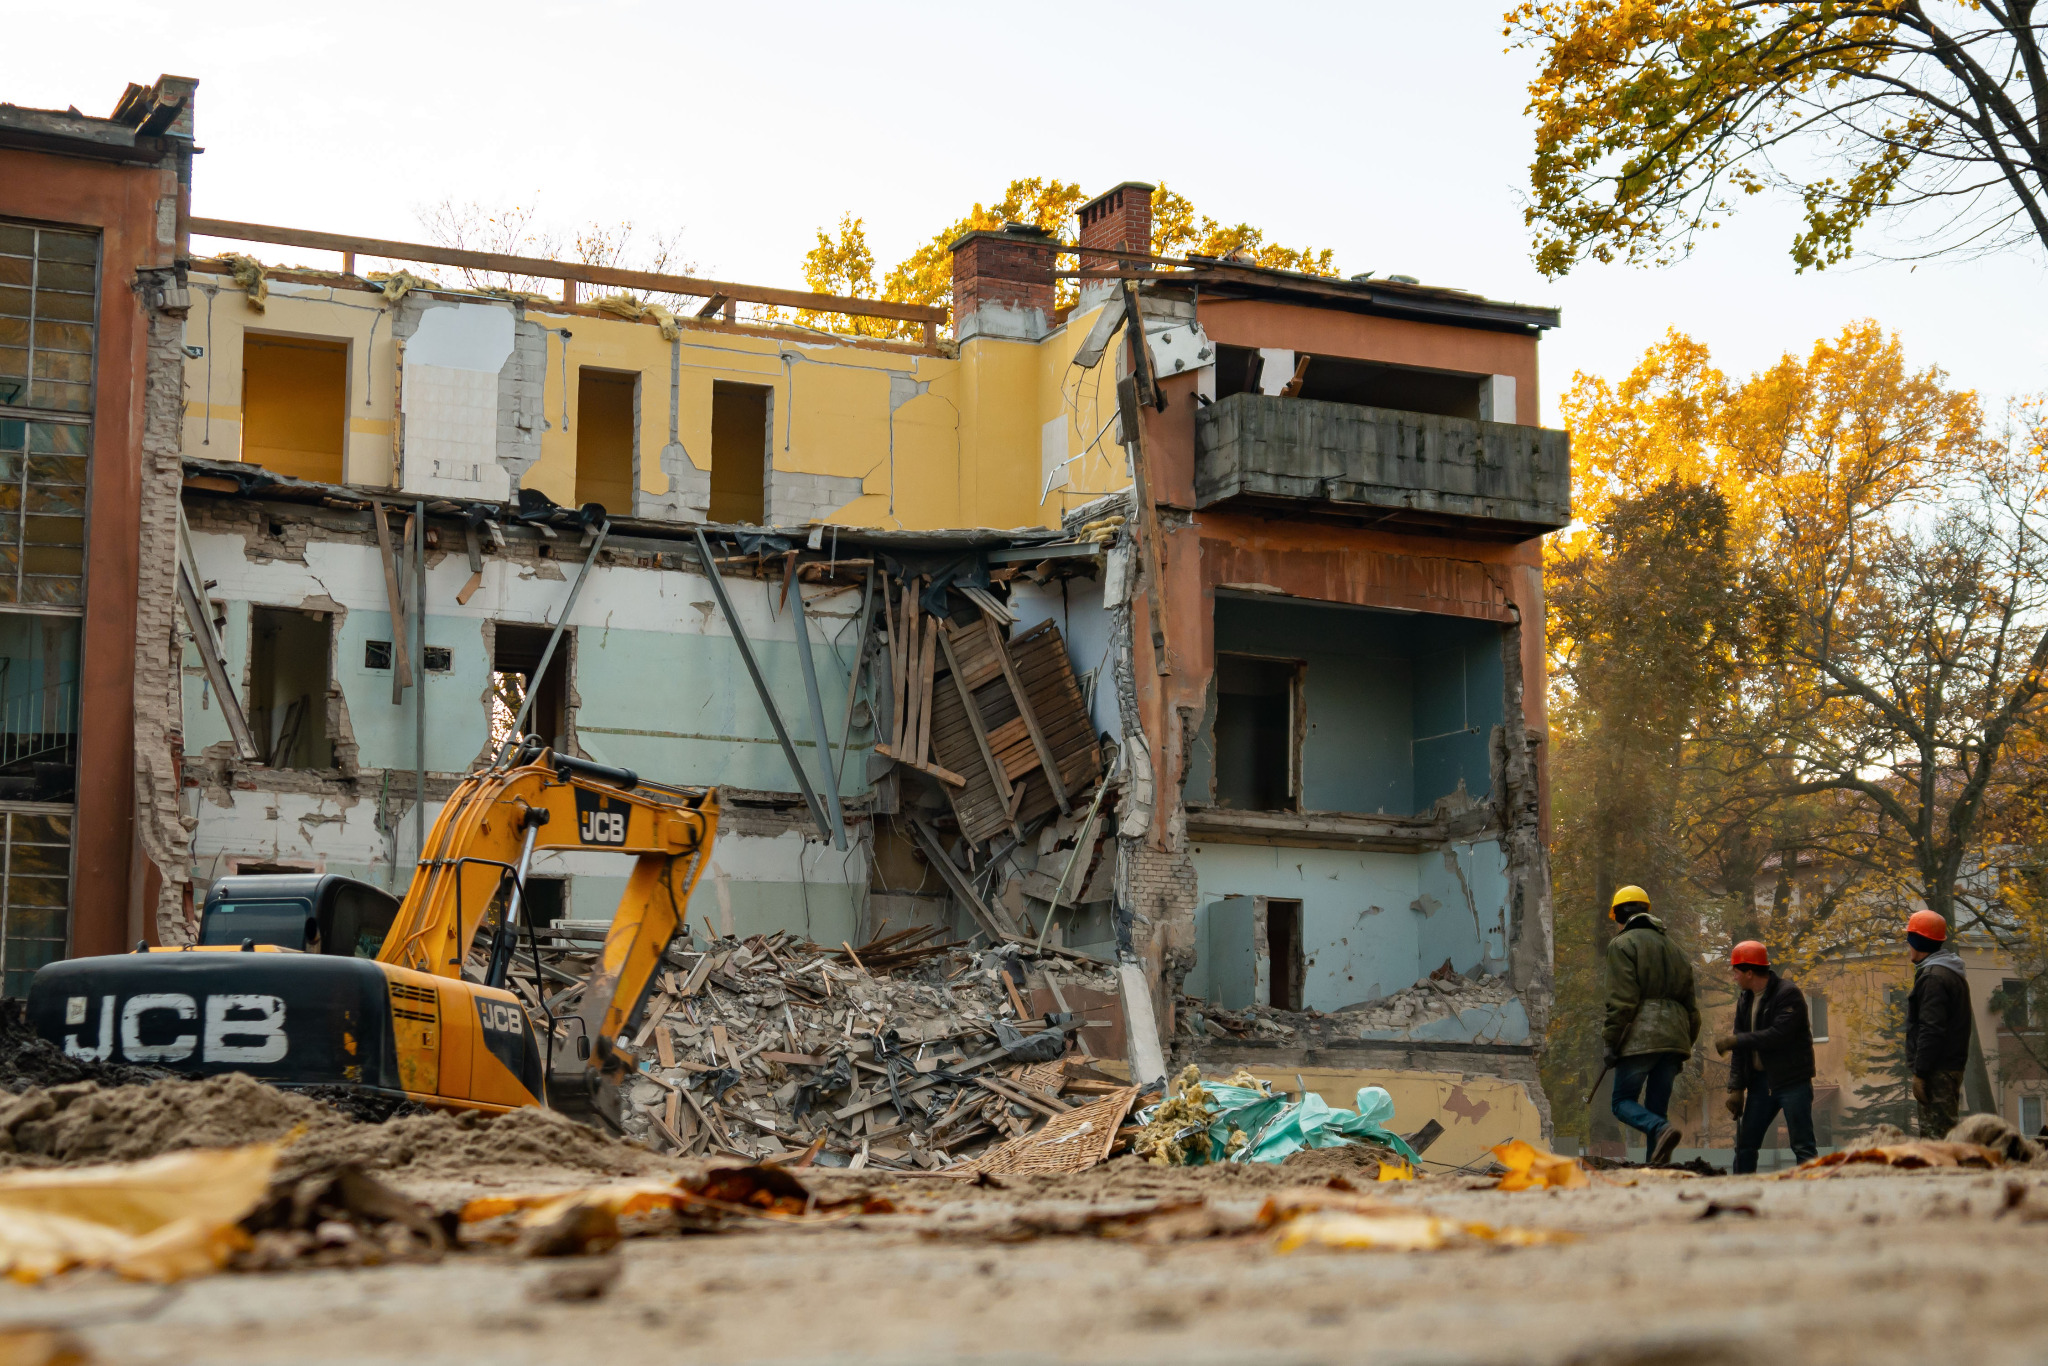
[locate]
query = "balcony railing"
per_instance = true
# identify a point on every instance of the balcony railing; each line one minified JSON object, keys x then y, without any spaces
{"x":1493,"y":479}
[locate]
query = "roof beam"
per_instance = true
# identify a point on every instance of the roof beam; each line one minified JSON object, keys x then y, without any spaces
{"x":568,"y":271}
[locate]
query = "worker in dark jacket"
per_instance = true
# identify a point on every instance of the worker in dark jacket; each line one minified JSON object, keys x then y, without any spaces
{"x":1652,"y":1020}
{"x":1772,"y":1070}
{"x":1937,"y":1023}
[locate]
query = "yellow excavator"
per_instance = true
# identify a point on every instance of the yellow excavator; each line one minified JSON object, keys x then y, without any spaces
{"x":429,"y":1017}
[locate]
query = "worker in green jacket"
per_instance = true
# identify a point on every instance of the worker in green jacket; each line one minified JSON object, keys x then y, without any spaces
{"x":1652,"y":1020}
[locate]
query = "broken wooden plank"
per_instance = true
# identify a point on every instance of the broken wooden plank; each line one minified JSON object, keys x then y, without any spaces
{"x":943,"y":774}
{"x":992,"y":920}
{"x":1045,"y":754}
{"x":988,"y":756}
{"x":922,"y":746}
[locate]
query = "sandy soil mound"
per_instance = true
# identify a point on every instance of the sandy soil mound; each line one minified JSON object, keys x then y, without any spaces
{"x":1352,"y":1161}
{"x":454,"y":1145}
{"x":83,"y":1122}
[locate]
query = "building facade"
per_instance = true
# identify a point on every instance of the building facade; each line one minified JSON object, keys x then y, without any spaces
{"x":1246,"y":692}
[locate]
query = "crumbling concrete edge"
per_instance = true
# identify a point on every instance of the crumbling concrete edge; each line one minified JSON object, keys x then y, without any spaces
{"x":162,"y":833}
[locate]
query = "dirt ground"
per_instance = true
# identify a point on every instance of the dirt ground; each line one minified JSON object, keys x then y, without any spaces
{"x":1675,"y":1270}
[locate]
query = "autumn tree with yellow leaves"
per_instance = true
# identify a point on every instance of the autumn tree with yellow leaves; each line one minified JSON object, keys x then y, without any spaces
{"x":1837,"y":681}
{"x":1656,"y":118}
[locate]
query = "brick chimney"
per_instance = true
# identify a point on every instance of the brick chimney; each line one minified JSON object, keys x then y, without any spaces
{"x":1002,"y":283}
{"x":1120,"y":218}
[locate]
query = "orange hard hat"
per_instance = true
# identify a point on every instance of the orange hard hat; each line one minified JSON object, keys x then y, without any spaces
{"x":1749,"y":954}
{"x":1928,"y":925}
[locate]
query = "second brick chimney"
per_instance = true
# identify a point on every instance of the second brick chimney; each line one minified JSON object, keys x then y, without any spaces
{"x":1120,"y":218}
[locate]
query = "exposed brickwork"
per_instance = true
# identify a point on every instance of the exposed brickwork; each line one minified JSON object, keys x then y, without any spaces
{"x":1008,"y":273}
{"x":160,"y":827}
{"x":1120,"y":218}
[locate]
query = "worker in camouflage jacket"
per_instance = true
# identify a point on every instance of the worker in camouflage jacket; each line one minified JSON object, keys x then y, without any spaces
{"x":1937,"y":1023}
{"x":1652,"y":1020}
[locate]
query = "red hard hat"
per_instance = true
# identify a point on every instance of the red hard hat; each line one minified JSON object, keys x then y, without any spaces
{"x":1750,"y":954}
{"x":1928,"y":925}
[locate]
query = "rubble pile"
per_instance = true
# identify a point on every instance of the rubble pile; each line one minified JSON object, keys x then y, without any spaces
{"x":1441,"y":994}
{"x":1438,"y":996}
{"x":906,"y":1053}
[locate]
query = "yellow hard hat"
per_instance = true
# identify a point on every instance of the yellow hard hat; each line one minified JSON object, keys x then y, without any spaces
{"x":1627,"y":895}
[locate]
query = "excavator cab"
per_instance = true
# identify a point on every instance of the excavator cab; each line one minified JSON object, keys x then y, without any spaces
{"x":311,"y":912}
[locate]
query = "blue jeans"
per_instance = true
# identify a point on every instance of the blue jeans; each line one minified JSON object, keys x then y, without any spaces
{"x":1631,"y":1074}
{"x":1761,"y":1108}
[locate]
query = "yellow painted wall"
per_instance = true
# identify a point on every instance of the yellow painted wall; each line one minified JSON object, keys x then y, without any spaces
{"x":221,"y":314}
{"x":936,"y":441}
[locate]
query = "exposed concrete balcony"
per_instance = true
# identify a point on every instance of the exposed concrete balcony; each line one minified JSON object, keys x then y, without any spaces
{"x":1492,"y":479}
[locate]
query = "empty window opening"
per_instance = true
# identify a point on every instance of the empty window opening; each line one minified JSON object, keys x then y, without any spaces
{"x":604,"y":439}
{"x":1337,"y":379}
{"x":1285,"y":966}
{"x":1817,"y":1016}
{"x":1257,"y":746}
{"x":515,"y":659}
{"x":288,"y":687}
{"x":38,"y":707}
{"x":1390,"y":712}
{"x":546,"y":900}
{"x":739,"y":452}
{"x":295,"y":406}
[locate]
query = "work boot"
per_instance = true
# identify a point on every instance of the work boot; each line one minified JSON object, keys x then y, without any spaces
{"x":1666,"y":1144}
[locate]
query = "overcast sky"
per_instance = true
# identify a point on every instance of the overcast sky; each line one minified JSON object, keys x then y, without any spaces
{"x":1393,"y":133}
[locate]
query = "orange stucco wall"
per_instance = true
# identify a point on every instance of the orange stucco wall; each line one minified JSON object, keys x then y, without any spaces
{"x":1391,"y":341}
{"x":1414,"y":571}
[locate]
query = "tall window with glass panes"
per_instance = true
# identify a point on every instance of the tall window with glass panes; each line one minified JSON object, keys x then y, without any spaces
{"x":49,"y":314}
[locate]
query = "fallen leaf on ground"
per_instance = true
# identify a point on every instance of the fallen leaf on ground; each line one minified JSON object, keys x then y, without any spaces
{"x":575,"y":1222}
{"x":1917,"y":1155}
{"x":1531,"y":1168}
{"x":159,"y":1220}
{"x":1312,"y":1216}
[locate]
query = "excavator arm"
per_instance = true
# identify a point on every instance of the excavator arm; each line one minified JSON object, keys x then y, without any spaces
{"x":488,"y":832}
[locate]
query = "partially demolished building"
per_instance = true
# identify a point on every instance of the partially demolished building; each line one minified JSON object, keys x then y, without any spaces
{"x":1246,"y":695}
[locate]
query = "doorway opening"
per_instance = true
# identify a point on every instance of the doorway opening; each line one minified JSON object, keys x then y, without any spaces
{"x":1285,"y":966}
{"x":515,"y":659}
{"x":288,"y":685}
{"x":295,"y":406}
{"x":739,"y":453}
{"x":605,"y":403}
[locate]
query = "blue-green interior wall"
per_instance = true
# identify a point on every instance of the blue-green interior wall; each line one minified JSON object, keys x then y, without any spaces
{"x":1400,"y":707}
